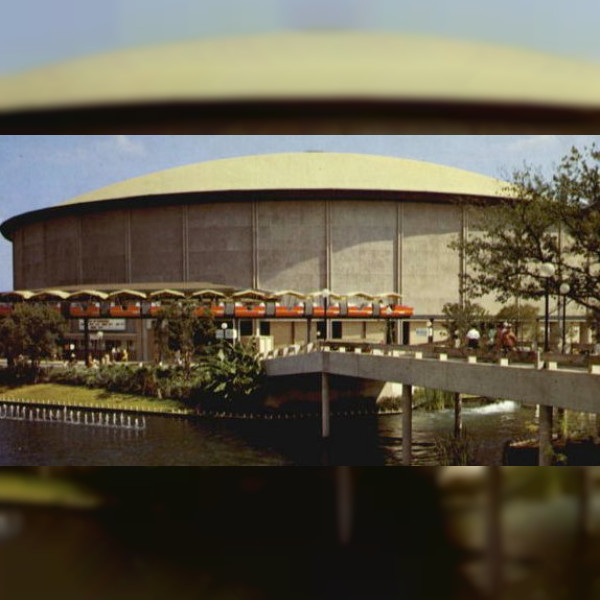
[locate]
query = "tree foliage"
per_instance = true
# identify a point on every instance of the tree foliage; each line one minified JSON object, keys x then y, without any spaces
{"x":234,"y":373}
{"x":179,"y":329}
{"x":547,"y":219}
{"x":459,"y":318}
{"x":31,"y":330}
{"x":522,"y":316}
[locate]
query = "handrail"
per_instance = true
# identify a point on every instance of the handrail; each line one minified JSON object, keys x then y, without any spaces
{"x":552,"y":361}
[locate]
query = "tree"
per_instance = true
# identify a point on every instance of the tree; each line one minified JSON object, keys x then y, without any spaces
{"x":553,"y":219}
{"x":31,"y":330}
{"x":179,"y":328}
{"x":459,"y":318}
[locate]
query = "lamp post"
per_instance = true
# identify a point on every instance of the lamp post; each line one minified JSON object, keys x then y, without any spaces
{"x":565,"y":288}
{"x":430,"y":331}
{"x":100,"y":337}
{"x":547,"y":271}
{"x":545,"y":451}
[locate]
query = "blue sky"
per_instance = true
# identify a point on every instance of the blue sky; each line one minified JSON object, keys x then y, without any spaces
{"x":41,"y":171}
{"x":34,"y":32}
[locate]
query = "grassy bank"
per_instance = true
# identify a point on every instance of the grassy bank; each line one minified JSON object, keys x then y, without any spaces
{"x":53,"y":394}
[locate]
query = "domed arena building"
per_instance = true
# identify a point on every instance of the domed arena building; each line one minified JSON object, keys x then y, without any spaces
{"x":272,"y":230}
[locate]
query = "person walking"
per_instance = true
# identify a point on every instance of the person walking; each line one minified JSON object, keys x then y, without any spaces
{"x":473,"y":338}
{"x":491,"y":337}
{"x":509,"y":340}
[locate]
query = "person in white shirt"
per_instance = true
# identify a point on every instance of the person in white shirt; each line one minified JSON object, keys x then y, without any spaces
{"x":473,"y":338}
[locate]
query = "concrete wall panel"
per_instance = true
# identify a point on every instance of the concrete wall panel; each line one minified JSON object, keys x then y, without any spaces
{"x":220,"y":243}
{"x":33,"y":262}
{"x":62,"y":251}
{"x":104,"y":247}
{"x":430,"y":268}
{"x":282,"y":333}
{"x":157,"y":244}
{"x":363,"y":245}
{"x":291,"y":242}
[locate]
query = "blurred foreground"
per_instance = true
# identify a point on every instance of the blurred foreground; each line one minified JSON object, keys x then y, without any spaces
{"x":299,"y":533}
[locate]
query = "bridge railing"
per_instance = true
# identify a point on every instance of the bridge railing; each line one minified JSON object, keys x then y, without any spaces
{"x":553,"y":361}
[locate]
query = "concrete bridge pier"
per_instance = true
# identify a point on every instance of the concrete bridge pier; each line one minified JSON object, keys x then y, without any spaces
{"x":458,"y":422}
{"x":546,"y":451}
{"x":325,"y":407}
{"x":407,"y":407}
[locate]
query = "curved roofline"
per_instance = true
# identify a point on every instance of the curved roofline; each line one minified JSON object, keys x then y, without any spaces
{"x":284,"y":176}
{"x":309,"y":65}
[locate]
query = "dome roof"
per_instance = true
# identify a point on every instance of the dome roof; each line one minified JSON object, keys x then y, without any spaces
{"x":303,"y":171}
{"x":308,"y":65}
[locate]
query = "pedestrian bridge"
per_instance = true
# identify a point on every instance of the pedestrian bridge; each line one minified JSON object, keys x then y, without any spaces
{"x":541,"y":383}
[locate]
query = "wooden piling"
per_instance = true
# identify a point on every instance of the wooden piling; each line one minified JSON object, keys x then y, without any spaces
{"x":458,"y":422}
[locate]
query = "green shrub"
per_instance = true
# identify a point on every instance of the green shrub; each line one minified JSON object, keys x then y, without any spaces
{"x":454,"y":451}
{"x":232,"y":377}
{"x":21,"y":373}
{"x":433,"y":400}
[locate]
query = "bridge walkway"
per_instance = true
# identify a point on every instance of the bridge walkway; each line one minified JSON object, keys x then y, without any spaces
{"x":542,"y":383}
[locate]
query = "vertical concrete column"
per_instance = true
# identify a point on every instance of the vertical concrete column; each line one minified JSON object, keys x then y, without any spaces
{"x":407,"y":407}
{"x":185,"y":246}
{"x":325,"y":407}
{"x":545,"y":445}
{"x":458,"y":422}
{"x":328,"y":278}
{"x":255,"y":248}
{"x":79,"y":252}
{"x":128,"y":253}
{"x":562,"y":416}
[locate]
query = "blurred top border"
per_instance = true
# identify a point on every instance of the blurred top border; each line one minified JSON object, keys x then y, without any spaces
{"x":304,"y":81}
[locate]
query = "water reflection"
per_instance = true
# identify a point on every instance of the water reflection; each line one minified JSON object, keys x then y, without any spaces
{"x":361,"y":441}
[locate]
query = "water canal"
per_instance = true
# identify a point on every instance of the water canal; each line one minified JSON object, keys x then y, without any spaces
{"x":223,"y":442}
